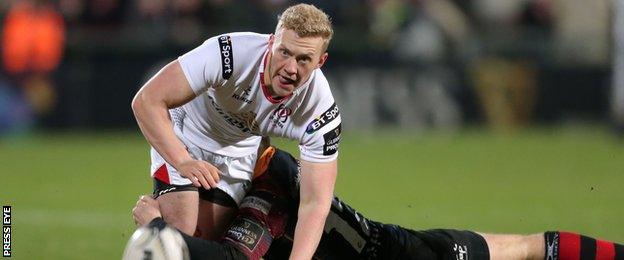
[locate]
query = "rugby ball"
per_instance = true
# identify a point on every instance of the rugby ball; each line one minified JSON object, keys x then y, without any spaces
{"x":149,"y":243}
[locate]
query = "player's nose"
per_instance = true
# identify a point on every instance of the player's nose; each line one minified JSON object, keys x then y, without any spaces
{"x":291,"y":66}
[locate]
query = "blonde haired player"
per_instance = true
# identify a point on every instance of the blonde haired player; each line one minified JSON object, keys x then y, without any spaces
{"x":204,"y":115}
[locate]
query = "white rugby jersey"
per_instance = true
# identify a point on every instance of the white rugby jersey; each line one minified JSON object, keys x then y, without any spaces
{"x":233,"y":108}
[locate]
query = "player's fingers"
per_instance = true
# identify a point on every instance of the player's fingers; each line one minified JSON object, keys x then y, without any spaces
{"x":134,"y":216}
{"x":204,"y":182}
{"x":151,"y":203}
{"x":139,"y":201}
{"x":144,"y":198}
{"x":215,"y":177}
{"x":139,"y":207}
{"x":214,"y":172}
{"x":194,"y":180}
{"x":209,"y":177}
{"x":143,"y":204}
{"x":148,"y":199}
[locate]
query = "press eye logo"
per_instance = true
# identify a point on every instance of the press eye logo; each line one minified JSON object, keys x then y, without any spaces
{"x":6,"y":231}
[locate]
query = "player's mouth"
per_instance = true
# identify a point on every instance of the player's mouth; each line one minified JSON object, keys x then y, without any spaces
{"x":286,"y":83}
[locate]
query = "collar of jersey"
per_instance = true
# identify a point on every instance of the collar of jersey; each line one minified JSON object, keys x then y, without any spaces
{"x":265,"y":89}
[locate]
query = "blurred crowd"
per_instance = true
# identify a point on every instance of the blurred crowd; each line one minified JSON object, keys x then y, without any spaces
{"x":37,"y":34}
{"x":408,"y":29}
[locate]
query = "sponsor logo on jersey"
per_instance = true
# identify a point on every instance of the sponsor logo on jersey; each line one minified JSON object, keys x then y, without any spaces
{"x":243,"y":96}
{"x":552,"y":252}
{"x":461,"y":252}
{"x":245,"y":121}
{"x":332,"y":138}
{"x":323,"y":119}
{"x":245,"y":232}
{"x":280,"y":115}
{"x":227,"y":57}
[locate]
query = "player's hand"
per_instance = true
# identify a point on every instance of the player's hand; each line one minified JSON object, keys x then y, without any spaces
{"x":145,"y":210}
{"x":201,"y":173}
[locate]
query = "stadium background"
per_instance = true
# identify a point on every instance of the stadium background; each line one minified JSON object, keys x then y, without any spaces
{"x":492,"y":115}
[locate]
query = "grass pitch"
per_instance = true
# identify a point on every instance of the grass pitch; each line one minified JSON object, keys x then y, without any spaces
{"x":71,"y":194}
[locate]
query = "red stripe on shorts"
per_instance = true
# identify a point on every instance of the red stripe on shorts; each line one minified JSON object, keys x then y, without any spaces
{"x":162,"y":174}
{"x":569,"y":246}
{"x":604,"y":250}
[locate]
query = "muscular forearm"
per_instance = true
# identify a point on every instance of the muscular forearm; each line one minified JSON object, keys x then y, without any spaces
{"x":316,"y":193}
{"x":309,"y":229}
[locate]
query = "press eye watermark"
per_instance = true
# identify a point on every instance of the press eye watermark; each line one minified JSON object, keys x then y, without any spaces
{"x":6,"y":231}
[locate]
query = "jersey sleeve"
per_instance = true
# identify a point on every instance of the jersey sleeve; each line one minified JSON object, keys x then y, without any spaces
{"x":322,"y":135}
{"x":210,"y":64}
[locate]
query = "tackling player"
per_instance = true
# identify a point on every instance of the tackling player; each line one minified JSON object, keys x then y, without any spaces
{"x":268,"y":212}
{"x":204,"y":113}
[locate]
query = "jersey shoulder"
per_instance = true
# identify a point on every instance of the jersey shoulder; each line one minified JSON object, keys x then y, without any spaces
{"x":315,"y":98}
{"x":223,"y":58}
{"x":320,"y":121}
{"x":318,"y":90}
{"x":240,"y":52}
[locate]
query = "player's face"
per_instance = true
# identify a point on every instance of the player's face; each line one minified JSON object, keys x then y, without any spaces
{"x":293,"y":59}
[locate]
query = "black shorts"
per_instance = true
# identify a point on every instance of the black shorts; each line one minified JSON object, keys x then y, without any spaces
{"x":404,"y":243}
{"x":215,"y":195}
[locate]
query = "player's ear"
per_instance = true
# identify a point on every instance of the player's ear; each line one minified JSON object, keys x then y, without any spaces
{"x":271,"y":40}
{"x":322,"y":60}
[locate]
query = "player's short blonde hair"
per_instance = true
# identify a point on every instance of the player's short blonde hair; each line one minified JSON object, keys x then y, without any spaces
{"x":307,"y":21}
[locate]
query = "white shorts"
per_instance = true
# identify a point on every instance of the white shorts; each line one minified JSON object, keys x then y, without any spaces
{"x":236,"y":172}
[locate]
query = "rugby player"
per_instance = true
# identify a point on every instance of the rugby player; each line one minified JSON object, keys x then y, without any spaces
{"x":203,"y":114}
{"x":268,"y":213}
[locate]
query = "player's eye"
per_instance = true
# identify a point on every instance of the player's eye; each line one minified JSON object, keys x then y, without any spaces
{"x":303,"y":61}
{"x":284,"y":53}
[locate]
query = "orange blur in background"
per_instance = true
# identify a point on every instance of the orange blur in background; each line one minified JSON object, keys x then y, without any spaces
{"x":33,"y":39}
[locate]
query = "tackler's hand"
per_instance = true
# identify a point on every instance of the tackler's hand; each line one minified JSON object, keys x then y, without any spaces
{"x":145,"y":210}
